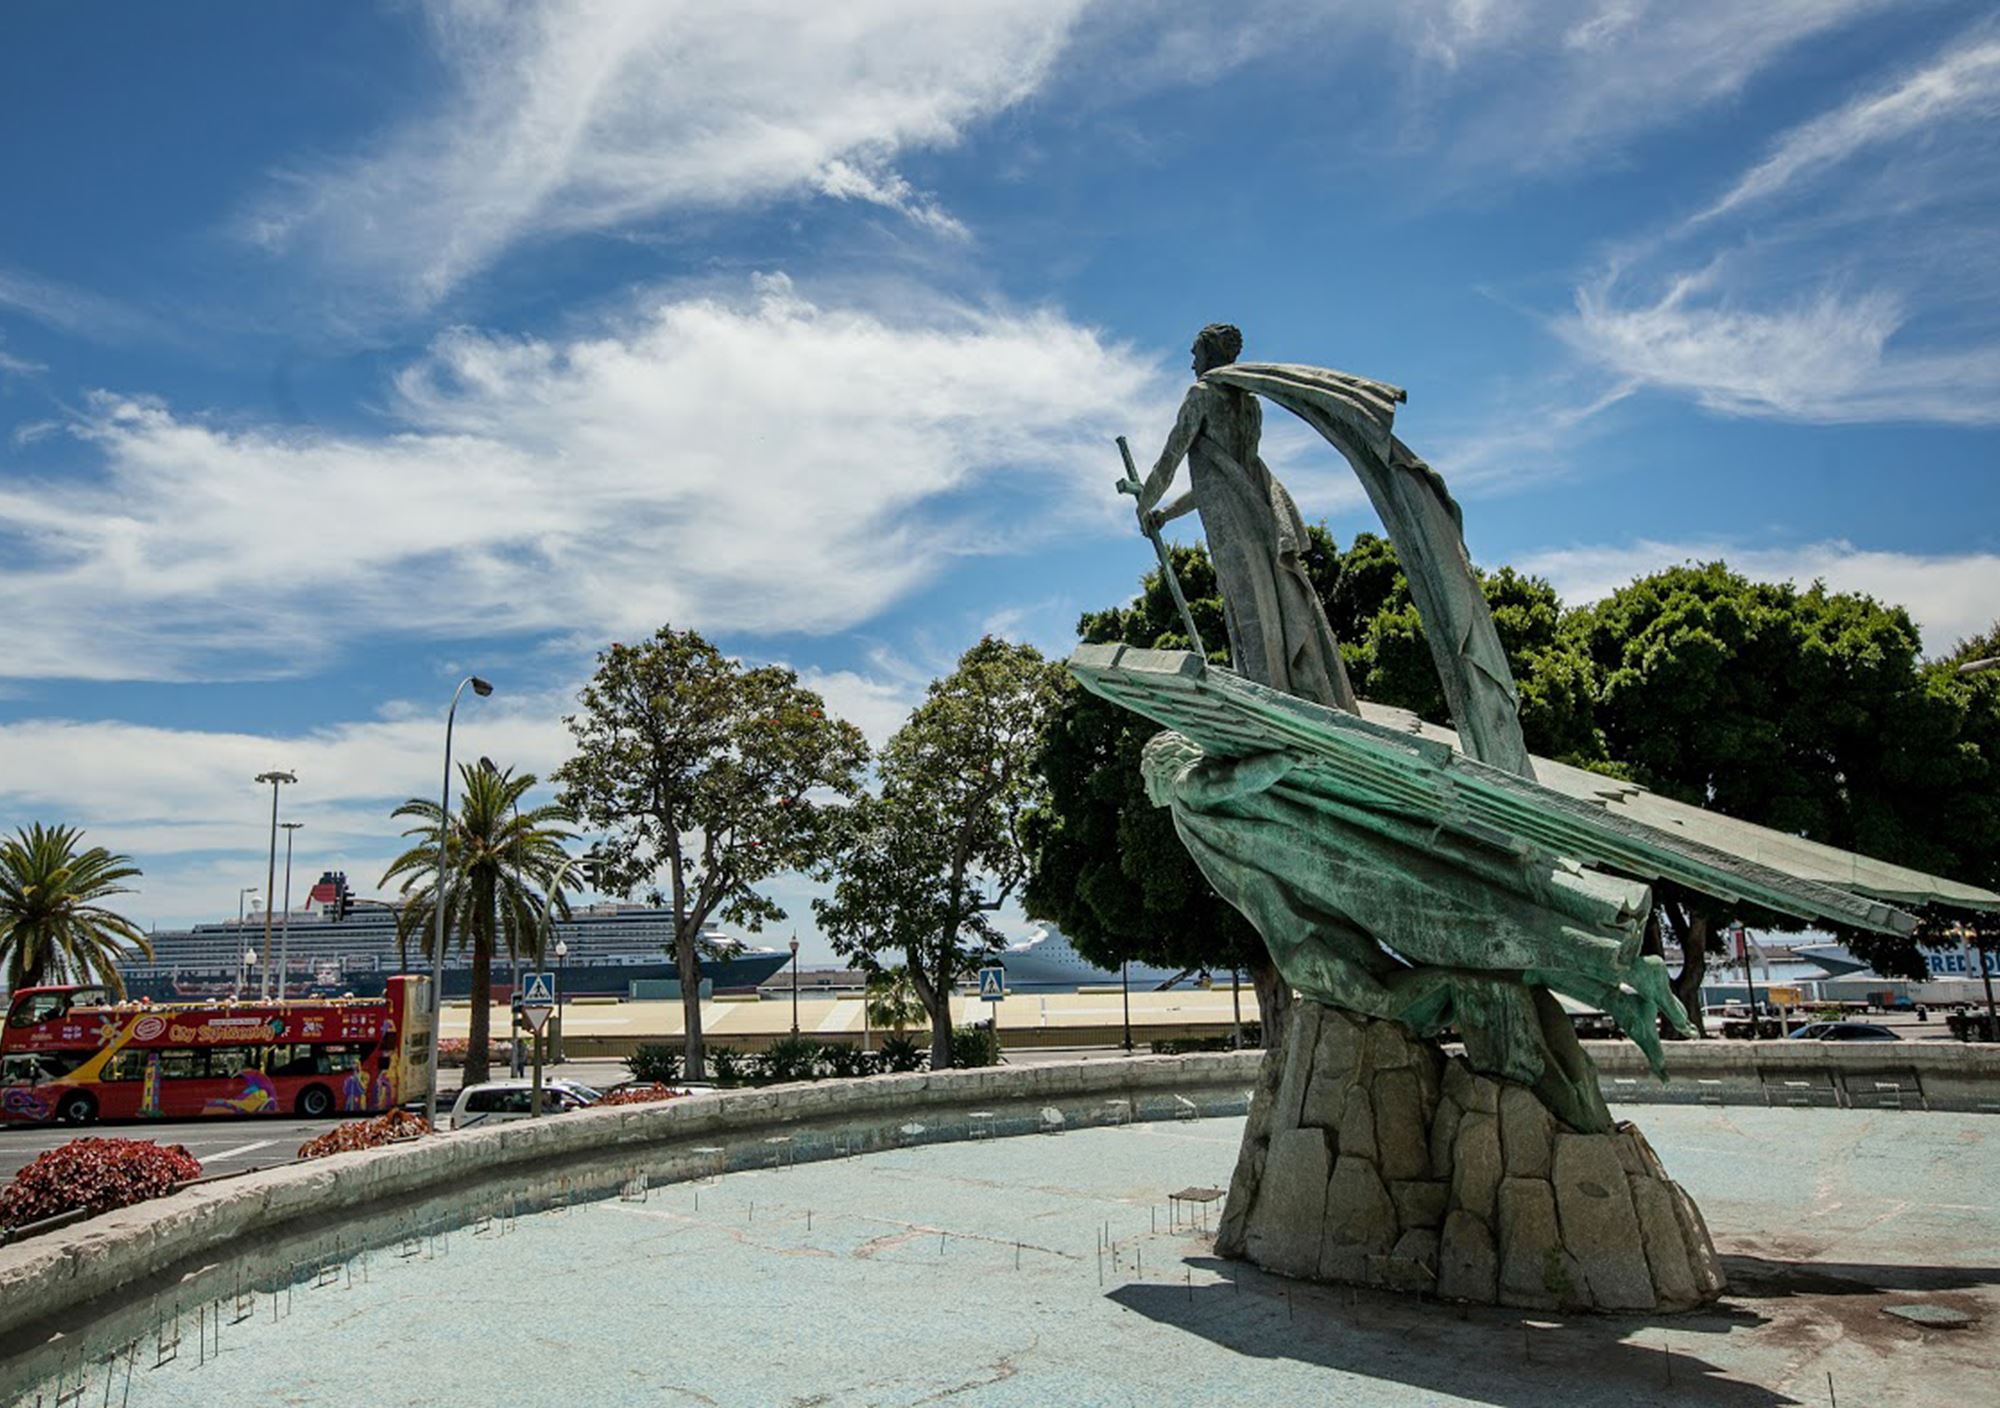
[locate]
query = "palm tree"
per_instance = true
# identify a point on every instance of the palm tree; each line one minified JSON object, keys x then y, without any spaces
{"x":51,"y":927}
{"x":500,"y":860}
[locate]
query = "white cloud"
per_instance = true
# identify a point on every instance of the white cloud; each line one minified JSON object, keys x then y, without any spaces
{"x":1547,"y":85}
{"x":1845,"y":275}
{"x":564,"y":118}
{"x":184,"y":805}
{"x":1950,"y":596}
{"x":72,"y":310}
{"x":755,"y":464}
{"x":1961,"y":84}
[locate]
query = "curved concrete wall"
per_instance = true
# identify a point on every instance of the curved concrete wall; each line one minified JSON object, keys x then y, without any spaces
{"x":113,"y":1277}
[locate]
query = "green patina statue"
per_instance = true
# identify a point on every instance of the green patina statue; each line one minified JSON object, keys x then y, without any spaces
{"x":1367,"y":864}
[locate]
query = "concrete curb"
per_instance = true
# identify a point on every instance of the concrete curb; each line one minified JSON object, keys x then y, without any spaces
{"x":1861,"y":1075}
{"x":126,"y":1259}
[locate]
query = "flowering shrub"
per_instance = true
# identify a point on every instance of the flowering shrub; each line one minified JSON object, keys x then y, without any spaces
{"x":639,"y":1095}
{"x":452,"y":1052}
{"x":366,"y":1134}
{"x":97,"y":1174}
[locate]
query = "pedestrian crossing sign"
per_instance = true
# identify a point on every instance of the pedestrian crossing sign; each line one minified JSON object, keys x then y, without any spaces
{"x":992,"y":982}
{"x":539,"y":990}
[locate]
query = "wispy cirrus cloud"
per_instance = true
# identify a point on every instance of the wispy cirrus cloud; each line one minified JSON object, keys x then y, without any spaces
{"x":565,"y":118}
{"x":1845,"y":275}
{"x":751,"y":462}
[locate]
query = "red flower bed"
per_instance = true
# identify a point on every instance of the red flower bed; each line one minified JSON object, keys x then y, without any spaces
{"x":98,"y":1174}
{"x":640,"y":1095}
{"x":366,"y":1134}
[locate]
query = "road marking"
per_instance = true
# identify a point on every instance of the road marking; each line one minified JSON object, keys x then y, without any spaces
{"x":244,"y":1149}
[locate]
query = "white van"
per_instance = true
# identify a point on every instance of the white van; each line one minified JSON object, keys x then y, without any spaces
{"x":497,"y":1101}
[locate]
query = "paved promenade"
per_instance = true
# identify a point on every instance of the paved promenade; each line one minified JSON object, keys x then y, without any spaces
{"x":973,"y":1274}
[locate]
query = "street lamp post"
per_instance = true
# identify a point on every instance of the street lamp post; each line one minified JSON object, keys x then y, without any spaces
{"x":247,"y":967}
{"x":274,"y":777}
{"x":241,"y":895}
{"x":562,"y":952}
{"x":795,"y":985}
{"x":439,"y":891}
{"x":285,"y":929}
{"x":562,"y":995}
{"x":1980,"y":667}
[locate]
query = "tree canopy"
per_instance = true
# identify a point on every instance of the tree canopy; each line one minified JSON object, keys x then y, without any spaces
{"x":499,"y":862}
{"x":53,"y":926}
{"x":940,"y":847}
{"x":723,"y":775}
{"x":1802,"y":709}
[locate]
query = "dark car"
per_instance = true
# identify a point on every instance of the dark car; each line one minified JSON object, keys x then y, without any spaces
{"x":1842,"y":1031}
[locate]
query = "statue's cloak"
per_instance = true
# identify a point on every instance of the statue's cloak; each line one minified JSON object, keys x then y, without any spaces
{"x":1357,"y":417}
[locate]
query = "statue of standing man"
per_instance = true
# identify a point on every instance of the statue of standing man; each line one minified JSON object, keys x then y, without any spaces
{"x":1278,"y":633}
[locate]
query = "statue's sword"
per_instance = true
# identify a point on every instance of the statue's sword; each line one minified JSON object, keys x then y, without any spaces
{"x":1130,"y":484}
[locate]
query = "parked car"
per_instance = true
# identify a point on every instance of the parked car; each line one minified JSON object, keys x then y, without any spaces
{"x":1842,"y":1031}
{"x":497,"y":1101}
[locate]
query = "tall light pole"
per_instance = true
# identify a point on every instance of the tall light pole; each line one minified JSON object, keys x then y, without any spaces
{"x":244,"y":968}
{"x":1980,"y":667}
{"x":241,"y":895}
{"x":492,"y":769}
{"x":439,"y":890}
{"x":795,"y":985}
{"x":274,"y":777}
{"x":562,"y":952}
{"x":285,"y":932}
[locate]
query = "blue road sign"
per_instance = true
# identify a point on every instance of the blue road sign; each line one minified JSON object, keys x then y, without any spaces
{"x":539,"y":990}
{"x":992,"y":982}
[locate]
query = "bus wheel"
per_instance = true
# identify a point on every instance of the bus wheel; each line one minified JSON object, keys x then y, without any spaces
{"x":314,"y":1101}
{"x":76,"y":1108}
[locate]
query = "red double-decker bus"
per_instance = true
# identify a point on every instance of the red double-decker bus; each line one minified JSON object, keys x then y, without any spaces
{"x":73,"y":1054}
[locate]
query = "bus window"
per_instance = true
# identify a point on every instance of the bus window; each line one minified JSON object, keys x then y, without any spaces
{"x":129,"y":1064}
{"x":336,"y":1060}
{"x":180,"y":1063}
{"x":42,"y":1007}
{"x":290,"y":1061}
{"x":33,"y":1068}
{"x":228,"y":1062}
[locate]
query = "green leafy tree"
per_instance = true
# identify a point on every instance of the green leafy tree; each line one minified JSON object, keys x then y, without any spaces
{"x":1804,"y":710}
{"x":499,"y":863}
{"x":720,"y":774}
{"x":53,"y":925}
{"x":940,"y":848}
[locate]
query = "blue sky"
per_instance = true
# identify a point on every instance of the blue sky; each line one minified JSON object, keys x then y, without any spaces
{"x":347,"y":348}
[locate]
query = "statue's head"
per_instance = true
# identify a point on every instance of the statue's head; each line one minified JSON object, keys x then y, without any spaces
{"x":1216,"y":345}
{"x":1163,"y":760}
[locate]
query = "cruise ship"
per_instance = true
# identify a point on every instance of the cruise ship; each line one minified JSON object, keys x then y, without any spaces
{"x":610,"y":946}
{"x":1047,"y":961}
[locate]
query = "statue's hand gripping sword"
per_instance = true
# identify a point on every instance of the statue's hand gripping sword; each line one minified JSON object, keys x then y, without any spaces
{"x":1131,"y":484}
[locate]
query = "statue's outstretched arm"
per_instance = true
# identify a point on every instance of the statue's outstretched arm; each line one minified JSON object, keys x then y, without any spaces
{"x":1216,"y":780}
{"x":1187,"y":425}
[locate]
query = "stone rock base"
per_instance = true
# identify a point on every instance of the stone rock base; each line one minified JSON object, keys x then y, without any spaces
{"x":1371,"y":1158}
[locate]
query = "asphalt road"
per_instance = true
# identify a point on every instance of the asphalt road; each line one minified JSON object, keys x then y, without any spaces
{"x":223,"y":1146}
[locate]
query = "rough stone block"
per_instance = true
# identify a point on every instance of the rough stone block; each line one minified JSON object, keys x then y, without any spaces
{"x":1285,"y":1224}
{"x":1599,"y":1225}
{"x":1420,"y":1202}
{"x":1444,"y":1133}
{"x":1472,"y":1092}
{"x":1527,"y":1131}
{"x":1666,"y":1252}
{"x":1411,"y":1265}
{"x":1529,"y":1239}
{"x":1467,"y":1268}
{"x":1336,"y":1063}
{"x":1703,"y":1263}
{"x":1475,"y":1173}
{"x":1298,"y":1048}
{"x":1359,"y":1212}
{"x":1401,"y":1124}
{"x":1390,"y":1045}
{"x":1357,"y":1124}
